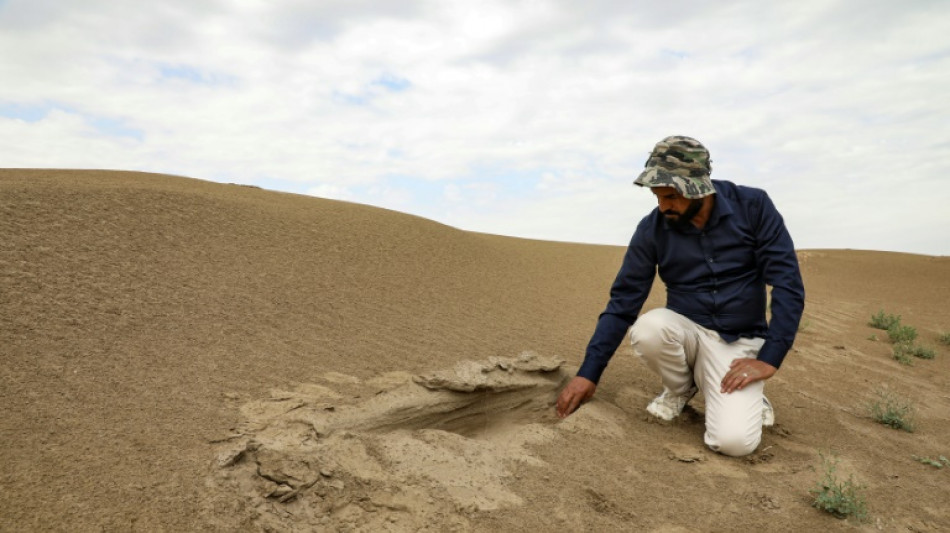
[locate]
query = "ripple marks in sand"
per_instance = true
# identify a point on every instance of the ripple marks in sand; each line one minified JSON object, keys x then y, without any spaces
{"x":421,"y":455}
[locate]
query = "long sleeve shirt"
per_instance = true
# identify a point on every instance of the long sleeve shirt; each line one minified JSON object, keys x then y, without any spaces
{"x":716,"y":276}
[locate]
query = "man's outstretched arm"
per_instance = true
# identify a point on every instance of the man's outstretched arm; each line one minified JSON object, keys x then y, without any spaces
{"x":627,"y":294}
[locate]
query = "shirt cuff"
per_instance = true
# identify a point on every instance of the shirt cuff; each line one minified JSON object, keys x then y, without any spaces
{"x":772,"y":353}
{"x":591,"y":369}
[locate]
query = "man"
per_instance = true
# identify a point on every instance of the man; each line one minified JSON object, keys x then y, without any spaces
{"x":716,"y":246}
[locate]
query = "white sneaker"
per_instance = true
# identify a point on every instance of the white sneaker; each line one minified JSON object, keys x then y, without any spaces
{"x":668,"y":406}
{"x":768,"y":414}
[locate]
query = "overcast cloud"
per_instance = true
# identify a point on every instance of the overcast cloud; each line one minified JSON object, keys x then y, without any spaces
{"x":526,"y":118}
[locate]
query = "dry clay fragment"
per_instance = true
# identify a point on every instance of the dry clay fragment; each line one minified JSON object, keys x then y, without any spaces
{"x":498,"y":374}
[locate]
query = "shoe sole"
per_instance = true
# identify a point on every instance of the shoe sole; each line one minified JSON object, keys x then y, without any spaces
{"x":768,"y":413}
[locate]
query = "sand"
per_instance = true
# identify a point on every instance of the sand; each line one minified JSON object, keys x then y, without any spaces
{"x":180,"y":355}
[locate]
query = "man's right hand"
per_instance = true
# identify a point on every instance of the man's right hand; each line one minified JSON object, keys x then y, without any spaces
{"x":577,"y":391}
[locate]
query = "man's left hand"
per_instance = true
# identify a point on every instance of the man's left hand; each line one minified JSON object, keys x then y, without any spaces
{"x":744,"y":371}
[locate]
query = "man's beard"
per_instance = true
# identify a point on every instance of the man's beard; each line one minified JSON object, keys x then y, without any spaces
{"x":682,"y":221}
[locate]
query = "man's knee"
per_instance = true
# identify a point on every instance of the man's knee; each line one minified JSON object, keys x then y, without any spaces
{"x":652,"y":330}
{"x":734,"y":443}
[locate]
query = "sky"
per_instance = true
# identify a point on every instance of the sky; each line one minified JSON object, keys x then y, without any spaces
{"x":528,"y":118}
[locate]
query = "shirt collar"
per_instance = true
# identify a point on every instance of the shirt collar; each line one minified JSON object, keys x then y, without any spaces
{"x":721,"y":208}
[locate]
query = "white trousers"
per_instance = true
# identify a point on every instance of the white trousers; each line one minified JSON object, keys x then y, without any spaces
{"x":683,"y":353}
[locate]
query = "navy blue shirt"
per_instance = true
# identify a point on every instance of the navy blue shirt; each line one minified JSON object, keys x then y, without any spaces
{"x":715,"y":276}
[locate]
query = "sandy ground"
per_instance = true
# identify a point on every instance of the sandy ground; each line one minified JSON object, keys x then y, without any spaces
{"x":178,"y":355}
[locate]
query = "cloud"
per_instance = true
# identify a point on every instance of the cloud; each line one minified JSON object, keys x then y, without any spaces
{"x":333,"y":192}
{"x":524,"y":117}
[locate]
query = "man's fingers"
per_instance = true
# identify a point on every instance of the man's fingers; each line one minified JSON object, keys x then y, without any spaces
{"x":563,"y":400}
{"x":736,"y":379}
{"x":574,"y":394}
{"x":571,"y":406}
{"x":568,"y":402}
{"x":743,"y":372}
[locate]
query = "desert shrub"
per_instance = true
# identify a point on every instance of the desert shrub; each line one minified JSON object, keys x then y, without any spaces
{"x":884,"y":321}
{"x":843,"y":499}
{"x":891,"y":410}
{"x":902,"y":354}
{"x":944,"y":338}
{"x":921,"y":352}
{"x":939,"y":462}
{"x":898,"y":333}
{"x":905,"y":350}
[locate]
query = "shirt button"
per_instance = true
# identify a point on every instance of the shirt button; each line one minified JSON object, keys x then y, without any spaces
{"x":710,"y":259}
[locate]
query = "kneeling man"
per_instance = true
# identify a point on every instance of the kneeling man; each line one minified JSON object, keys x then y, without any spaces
{"x":716,"y":246}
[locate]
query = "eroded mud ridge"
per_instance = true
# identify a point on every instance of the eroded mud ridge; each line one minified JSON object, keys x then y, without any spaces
{"x":423,"y":451}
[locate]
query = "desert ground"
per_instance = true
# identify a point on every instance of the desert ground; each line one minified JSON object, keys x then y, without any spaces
{"x":181,"y":355}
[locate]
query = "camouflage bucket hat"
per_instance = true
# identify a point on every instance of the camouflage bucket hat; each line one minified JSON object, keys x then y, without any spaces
{"x":679,"y":162}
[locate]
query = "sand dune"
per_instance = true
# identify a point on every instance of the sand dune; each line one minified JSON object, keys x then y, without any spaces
{"x":179,"y":355}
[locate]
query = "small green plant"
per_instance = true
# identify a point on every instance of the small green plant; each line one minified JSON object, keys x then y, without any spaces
{"x":884,"y":321}
{"x":843,"y":499}
{"x":922,"y":352}
{"x":905,"y":350}
{"x":872,"y":337}
{"x":939,"y":462}
{"x":891,"y":410}
{"x":902,"y":354}
{"x":944,"y":338}
{"x":898,"y":333}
